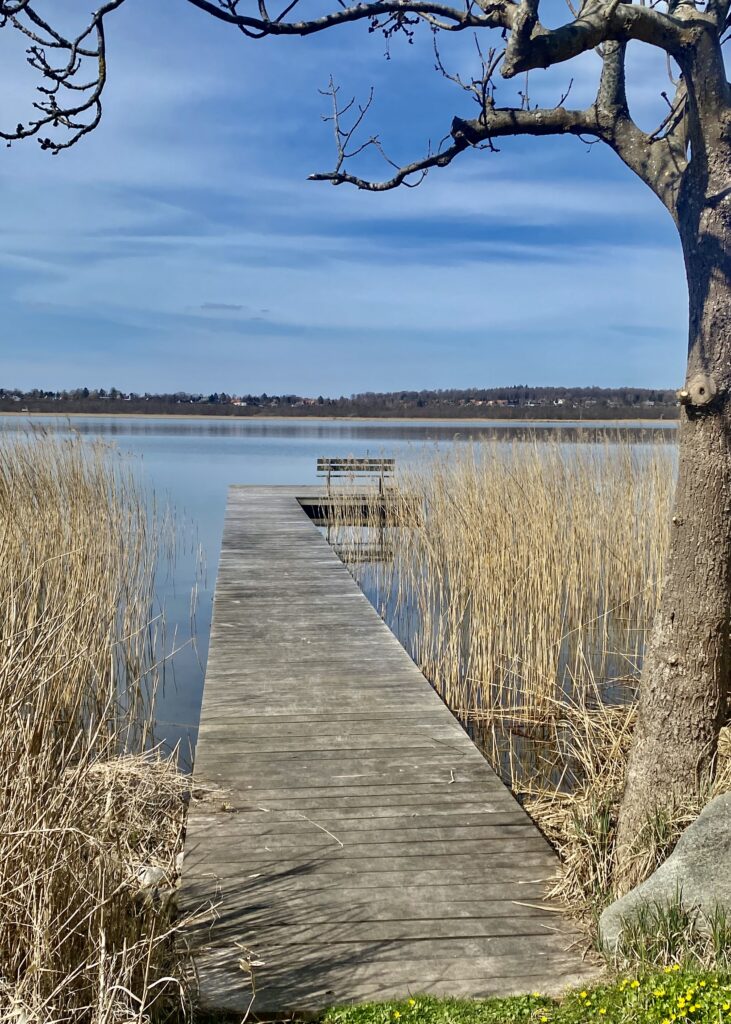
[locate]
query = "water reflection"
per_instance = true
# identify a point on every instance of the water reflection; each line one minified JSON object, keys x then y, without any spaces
{"x":302,"y":430}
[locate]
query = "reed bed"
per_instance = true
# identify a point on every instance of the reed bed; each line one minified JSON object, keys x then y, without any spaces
{"x":91,"y":816}
{"x":523,"y":578}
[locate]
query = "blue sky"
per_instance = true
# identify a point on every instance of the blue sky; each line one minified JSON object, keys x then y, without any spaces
{"x":181,"y":246}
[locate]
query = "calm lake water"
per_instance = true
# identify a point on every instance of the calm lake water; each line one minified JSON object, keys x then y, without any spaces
{"x":190,"y":463}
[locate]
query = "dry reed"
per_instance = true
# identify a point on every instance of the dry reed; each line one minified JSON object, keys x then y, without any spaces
{"x":87,"y":817}
{"x":523,"y":577}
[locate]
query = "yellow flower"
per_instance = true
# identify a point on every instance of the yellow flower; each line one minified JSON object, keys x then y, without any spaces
{"x":681,"y":1002}
{"x":675,"y":967}
{"x":602,"y":1010}
{"x":726,"y":1006}
{"x":634,"y":984}
{"x":659,"y":992}
{"x":412,"y":1002}
{"x":583,"y":995}
{"x":396,"y":1015}
{"x":702,"y":984}
{"x":667,"y":970}
{"x":543,"y":1020}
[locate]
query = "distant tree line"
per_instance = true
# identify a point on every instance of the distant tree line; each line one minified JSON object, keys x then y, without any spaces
{"x":517,"y":402}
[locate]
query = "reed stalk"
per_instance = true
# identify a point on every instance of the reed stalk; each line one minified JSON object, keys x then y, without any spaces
{"x":87,"y":810}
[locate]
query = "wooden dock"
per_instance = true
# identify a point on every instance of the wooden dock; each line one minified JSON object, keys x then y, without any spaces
{"x":346,"y":834}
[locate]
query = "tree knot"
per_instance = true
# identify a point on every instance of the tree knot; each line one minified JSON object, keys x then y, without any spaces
{"x":698,"y":392}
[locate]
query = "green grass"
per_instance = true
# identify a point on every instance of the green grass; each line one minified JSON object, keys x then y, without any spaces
{"x":673,"y":995}
{"x":661,"y":933}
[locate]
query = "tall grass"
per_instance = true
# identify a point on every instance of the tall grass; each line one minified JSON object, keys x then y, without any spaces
{"x":86,"y":814}
{"x":522,"y":573}
{"x":524,"y":577}
{"x":534,"y":571}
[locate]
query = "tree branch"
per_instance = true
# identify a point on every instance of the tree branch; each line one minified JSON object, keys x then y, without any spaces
{"x":65,"y":102}
{"x":418,"y":167}
{"x":595,"y":24}
{"x":530,"y":44}
{"x":501,"y":122}
{"x":719,"y":11}
{"x":657,"y":159}
{"x":494,"y":123}
{"x":493,"y":14}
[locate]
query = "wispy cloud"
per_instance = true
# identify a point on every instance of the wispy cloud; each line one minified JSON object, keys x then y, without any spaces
{"x":185,"y":226}
{"x":221,"y":307}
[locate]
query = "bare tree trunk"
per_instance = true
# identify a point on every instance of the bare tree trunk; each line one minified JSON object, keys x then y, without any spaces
{"x":683,"y":689}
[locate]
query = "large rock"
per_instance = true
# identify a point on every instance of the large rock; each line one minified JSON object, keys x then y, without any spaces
{"x":698,"y":871}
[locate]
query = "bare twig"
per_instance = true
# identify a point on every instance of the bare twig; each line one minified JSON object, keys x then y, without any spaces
{"x":67,"y":102}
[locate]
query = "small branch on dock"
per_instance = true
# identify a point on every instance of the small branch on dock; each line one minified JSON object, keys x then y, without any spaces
{"x":323,"y":829}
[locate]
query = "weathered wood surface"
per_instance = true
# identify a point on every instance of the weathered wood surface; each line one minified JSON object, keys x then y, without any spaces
{"x":346,"y":830}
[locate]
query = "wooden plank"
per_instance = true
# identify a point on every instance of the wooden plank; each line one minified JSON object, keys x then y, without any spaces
{"x":278,"y":850}
{"x":330,"y":905}
{"x":356,"y":463}
{"x":343,"y":825}
{"x":233,"y":899}
{"x":260,"y":822}
{"x":330,"y":979}
{"x":384,"y":785}
{"x":442,"y":949}
{"x":319,"y":871}
{"x":377,"y":803}
{"x":356,"y":932}
{"x":304,"y":835}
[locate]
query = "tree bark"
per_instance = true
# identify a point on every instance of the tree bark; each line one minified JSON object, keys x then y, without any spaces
{"x":683,"y":689}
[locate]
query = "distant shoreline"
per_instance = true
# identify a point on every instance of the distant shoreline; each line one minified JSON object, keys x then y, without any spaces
{"x":658,"y":422}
